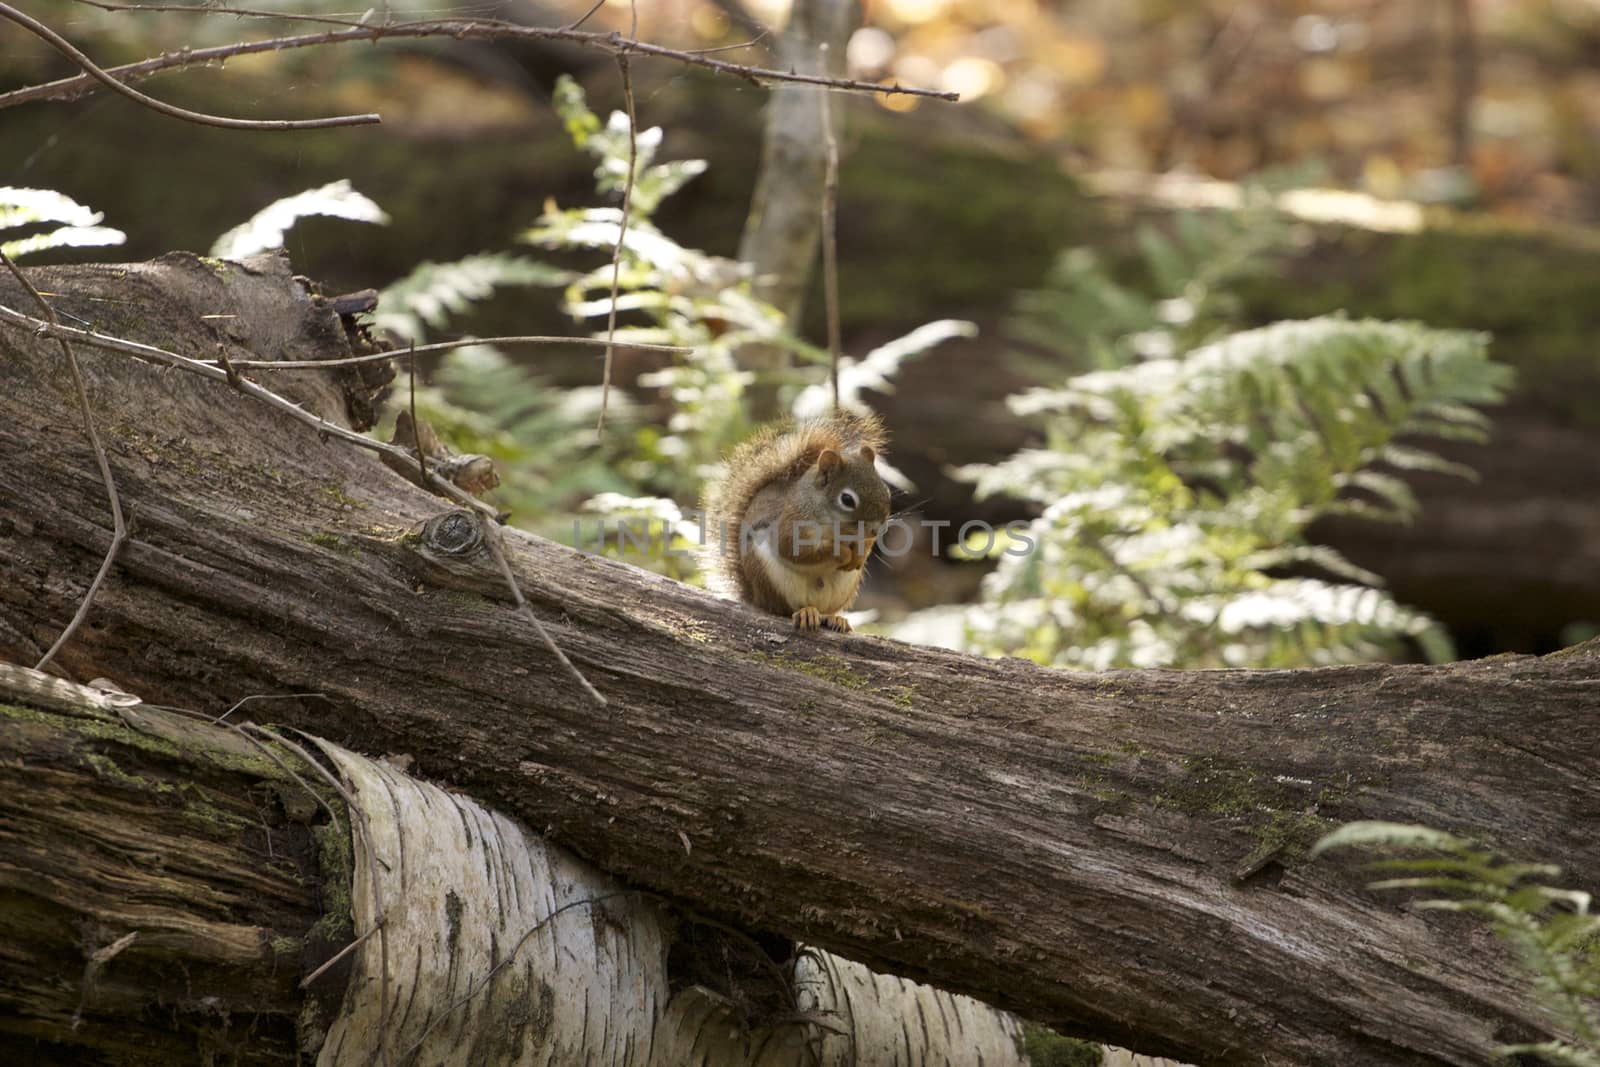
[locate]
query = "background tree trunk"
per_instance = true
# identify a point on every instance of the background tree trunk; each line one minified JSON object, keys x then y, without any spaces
{"x":781,"y":231}
{"x":1115,"y":854}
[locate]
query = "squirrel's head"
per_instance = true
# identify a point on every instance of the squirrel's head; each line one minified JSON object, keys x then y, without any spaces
{"x":846,"y":494}
{"x":850,"y":487}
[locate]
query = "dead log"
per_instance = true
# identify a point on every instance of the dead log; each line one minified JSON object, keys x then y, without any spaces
{"x":160,"y":889}
{"x":151,"y":854}
{"x":1119,"y":855}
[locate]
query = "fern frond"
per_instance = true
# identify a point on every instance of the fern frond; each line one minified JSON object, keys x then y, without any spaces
{"x":875,"y":370}
{"x":1407,"y":458}
{"x":609,"y":144}
{"x":1549,"y":929}
{"x":1558,"y":1053}
{"x":30,"y":207}
{"x":427,"y":297}
{"x":265,"y":230}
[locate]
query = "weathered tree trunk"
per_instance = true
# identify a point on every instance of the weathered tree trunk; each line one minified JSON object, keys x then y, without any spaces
{"x":1118,"y":854}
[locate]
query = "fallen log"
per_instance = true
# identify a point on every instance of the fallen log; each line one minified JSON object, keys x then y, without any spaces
{"x":182,"y":891}
{"x":1119,"y":855}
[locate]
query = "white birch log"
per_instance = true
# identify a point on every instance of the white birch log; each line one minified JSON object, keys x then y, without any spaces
{"x":497,"y":948}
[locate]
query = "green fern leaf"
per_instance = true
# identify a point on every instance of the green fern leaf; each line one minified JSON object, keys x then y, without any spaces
{"x":30,"y":207}
{"x":427,"y":297}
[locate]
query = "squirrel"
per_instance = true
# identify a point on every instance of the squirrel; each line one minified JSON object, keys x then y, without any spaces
{"x":795,"y":517}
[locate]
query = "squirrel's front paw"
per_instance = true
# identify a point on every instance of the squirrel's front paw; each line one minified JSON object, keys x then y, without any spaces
{"x":809,"y":618}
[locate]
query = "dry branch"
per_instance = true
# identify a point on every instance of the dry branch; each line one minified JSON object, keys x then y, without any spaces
{"x":119,"y":525}
{"x":441,"y":346}
{"x":93,"y":70}
{"x":622,"y":231}
{"x":456,"y":29}
{"x":1117,"y":854}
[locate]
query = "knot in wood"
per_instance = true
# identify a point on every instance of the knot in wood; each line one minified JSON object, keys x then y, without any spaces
{"x":454,"y":533}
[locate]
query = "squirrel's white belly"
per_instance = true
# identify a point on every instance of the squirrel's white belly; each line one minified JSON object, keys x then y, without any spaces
{"x":822,"y":586}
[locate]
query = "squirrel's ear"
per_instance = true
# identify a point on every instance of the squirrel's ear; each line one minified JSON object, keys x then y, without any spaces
{"x":828,"y":462}
{"x":868,"y":455}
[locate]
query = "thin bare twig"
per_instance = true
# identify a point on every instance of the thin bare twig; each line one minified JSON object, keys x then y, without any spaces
{"x":129,"y":716}
{"x":66,"y":48}
{"x":212,"y":7}
{"x":442,"y":346}
{"x":491,"y":536}
{"x":830,"y":236}
{"x":416,"y":427}
{"x":586,"y":16}
{"x":459,"y":29}
{"x":119,"y":527}
{"x":77,"y":85}
{"x":305,"y":983}
{"x":283,"y":765}
{"x":751,"y":43}
{"x":1463,"y":85}
{"x":622,"y":233}
{"x":223,"y":718}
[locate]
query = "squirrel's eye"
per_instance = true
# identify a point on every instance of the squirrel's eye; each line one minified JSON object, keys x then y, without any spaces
{"x":847,"y":500}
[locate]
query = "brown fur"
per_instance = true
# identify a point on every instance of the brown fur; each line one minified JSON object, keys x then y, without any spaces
{"x":760,"y":487}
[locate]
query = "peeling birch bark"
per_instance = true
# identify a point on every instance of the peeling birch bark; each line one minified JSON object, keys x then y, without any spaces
{"x":503,"y":950}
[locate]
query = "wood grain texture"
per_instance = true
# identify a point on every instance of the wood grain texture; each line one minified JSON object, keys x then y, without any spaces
{"x":1119,"y":854}
{"x":160,"y":890}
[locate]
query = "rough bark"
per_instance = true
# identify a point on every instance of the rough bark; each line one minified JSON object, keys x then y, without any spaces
{"x":145,"y":922}
{"x":1117,"y":854}
{"x":140,"y":821}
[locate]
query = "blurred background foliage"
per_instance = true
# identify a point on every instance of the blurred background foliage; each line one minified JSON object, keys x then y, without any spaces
{"x":1495,"y":103}
{"x":1070,"y":207}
